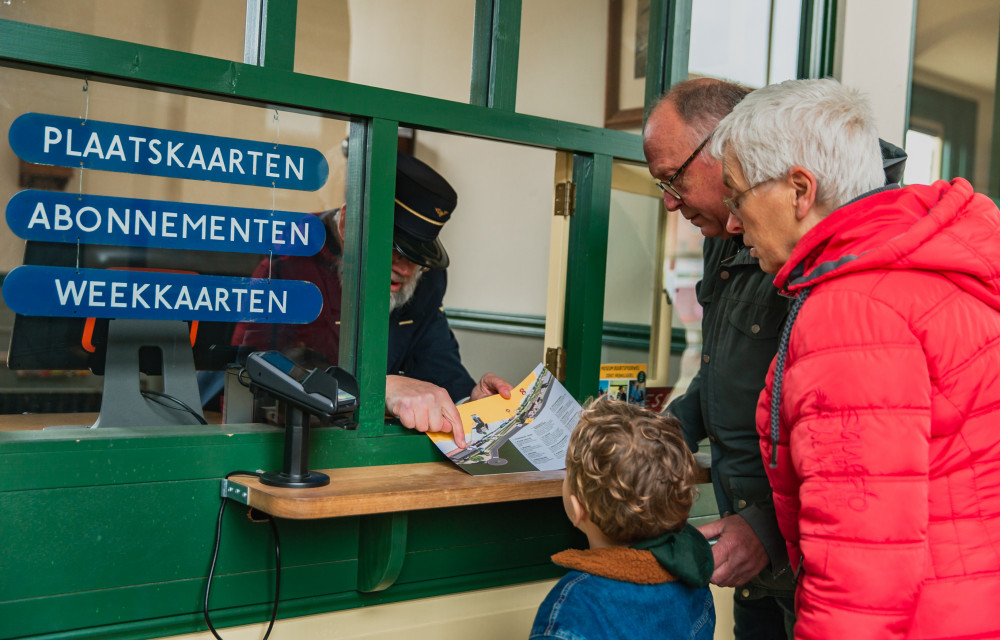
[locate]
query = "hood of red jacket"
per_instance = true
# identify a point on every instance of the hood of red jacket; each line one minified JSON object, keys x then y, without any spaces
{"x":945,"y":227}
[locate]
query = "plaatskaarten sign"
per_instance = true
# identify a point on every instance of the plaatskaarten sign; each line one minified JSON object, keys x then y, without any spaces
{"x":109,"y":146}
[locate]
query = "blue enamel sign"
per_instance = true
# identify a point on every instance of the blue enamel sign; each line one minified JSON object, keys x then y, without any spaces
{"x":108,"y":146}
{"x":104,"y":293}
{"x":53,"y":216}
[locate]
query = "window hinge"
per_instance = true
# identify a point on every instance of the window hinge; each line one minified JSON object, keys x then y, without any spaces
{"x":555,"y":361}
{"x":565,"y":203}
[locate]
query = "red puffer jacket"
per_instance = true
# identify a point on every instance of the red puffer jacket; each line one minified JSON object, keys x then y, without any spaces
{"x":887,"y":418}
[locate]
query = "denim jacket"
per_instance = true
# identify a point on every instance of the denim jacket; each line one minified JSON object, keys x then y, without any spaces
{"x":625,"y":593}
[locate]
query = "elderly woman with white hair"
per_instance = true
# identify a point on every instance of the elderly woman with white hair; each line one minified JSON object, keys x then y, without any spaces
{"x":880,"y":421}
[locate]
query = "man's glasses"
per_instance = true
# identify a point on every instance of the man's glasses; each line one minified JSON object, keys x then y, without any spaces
{"x":397,"y":256}
{"x":733,"y":203}
{"x":667,"y":186}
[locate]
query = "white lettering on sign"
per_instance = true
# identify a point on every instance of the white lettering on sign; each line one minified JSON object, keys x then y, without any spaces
{"x":271,"y":165}
{"x":165,"y":224}
{"x":135,"y":295}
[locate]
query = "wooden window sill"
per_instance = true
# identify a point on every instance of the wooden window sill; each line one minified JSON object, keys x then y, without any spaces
{"x":357,"y":491}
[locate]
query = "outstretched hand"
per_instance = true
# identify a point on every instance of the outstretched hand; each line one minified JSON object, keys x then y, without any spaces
{"x":490,"y":385}
{"x":424,"y":407}
{"x":739,"y":553}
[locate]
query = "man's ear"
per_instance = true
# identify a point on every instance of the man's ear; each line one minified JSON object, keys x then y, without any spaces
{"x":803,"y":184}
{"x":342,"y":220}
{"x":577,"y":512}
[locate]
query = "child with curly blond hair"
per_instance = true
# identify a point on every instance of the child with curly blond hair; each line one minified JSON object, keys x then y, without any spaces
{"x":629,"y":487}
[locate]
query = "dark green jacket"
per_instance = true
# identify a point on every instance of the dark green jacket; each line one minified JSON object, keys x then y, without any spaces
{"x":742,"y":319}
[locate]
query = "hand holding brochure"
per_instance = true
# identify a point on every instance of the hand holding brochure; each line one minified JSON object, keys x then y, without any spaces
{"x":529,"y":432}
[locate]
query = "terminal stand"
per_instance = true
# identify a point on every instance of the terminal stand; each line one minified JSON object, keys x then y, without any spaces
{"x":123,"y":404}
{"x":295,"y":470}
{"x":330,"y":393}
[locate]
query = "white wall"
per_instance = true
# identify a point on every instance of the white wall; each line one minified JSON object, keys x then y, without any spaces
{"x":874,"y":43}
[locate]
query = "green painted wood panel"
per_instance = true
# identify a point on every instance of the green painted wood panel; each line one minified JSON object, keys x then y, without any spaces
{"x":588,"y":257}
{"x":667,"y":58}
{"x":367,"y":256}
{"x":95,"y":556}
{"x":27,"y":463}
{"x":279,"y":34}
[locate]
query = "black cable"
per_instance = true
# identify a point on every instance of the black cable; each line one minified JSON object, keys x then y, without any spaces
{"x":215,"y":557}
{"x":153,"y":395}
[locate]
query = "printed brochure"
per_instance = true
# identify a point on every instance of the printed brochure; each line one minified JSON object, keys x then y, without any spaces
{"x":529,"y":432}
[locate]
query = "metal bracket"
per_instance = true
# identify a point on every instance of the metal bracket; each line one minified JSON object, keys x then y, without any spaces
{"x":555,"y":361}
{"x":565,"y":202}
{"x":235,"y":492}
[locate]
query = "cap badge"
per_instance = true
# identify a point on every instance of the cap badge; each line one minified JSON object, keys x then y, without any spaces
{"x":440,"y":212}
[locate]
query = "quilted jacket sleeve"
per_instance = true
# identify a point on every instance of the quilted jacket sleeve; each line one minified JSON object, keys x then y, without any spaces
{"x":851,"y":486}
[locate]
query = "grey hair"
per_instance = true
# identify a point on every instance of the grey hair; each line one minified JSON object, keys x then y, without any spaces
{"x":702,"y":102}
{"x":818,"y":124}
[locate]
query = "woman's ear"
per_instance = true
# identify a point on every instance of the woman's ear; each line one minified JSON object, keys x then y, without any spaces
{"x":803,"y":184}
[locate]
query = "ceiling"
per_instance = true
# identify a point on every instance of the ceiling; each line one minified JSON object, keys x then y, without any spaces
{"x":958,"y":39}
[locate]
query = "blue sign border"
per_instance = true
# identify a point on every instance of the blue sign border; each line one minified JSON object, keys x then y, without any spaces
{"x":33,"y":290}
{"x":133,"y":222}
{"x":109,"y":146}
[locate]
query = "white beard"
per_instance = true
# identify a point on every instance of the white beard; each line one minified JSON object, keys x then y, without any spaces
{"x":399,"y":298}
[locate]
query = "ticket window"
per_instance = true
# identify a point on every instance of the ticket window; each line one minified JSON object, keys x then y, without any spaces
{"x":51,"y":361}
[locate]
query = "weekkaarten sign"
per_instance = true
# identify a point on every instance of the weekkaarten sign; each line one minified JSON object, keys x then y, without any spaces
{"x":111,"y":146}
{"x":34,"y":290}
{"x":529,"y":432}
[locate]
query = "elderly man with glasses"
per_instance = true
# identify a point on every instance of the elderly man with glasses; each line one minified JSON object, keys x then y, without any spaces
{"x":742,"y":319}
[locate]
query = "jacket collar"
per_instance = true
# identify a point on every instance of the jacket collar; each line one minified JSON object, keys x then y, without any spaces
{"x":742,"y":257}
{"x":683,"y":555}
{"x":617,"y":563}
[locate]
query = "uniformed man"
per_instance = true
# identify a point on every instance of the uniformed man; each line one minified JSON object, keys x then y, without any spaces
{"x":425,"y":376}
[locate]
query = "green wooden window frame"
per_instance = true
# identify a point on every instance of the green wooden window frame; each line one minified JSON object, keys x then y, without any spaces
{"x":378,"y":112}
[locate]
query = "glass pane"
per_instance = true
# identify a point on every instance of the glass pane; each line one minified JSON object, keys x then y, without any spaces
{"x":163,"y":220}
{"x":682,"y":269}
{"x":633,"y":299}
{"x":739,"y":40}
{"x":785,"y":27}
{"x":632,"y":235}
{"x":561,"y":70}
{"x":923,"y":162}
{"x":417,"y":47}
{"x":498,"y":243}
{"x":498,"y":239}
{"x":953,"y":89}
{"x":207,"y":27}
{"x":323,"y":38}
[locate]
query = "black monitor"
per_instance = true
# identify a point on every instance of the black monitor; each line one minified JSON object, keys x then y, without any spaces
{"x":42,"y":342}
{"x":152,"y":347}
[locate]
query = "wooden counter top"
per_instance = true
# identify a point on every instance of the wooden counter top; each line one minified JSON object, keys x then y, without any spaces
{"x":393,"y":488}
